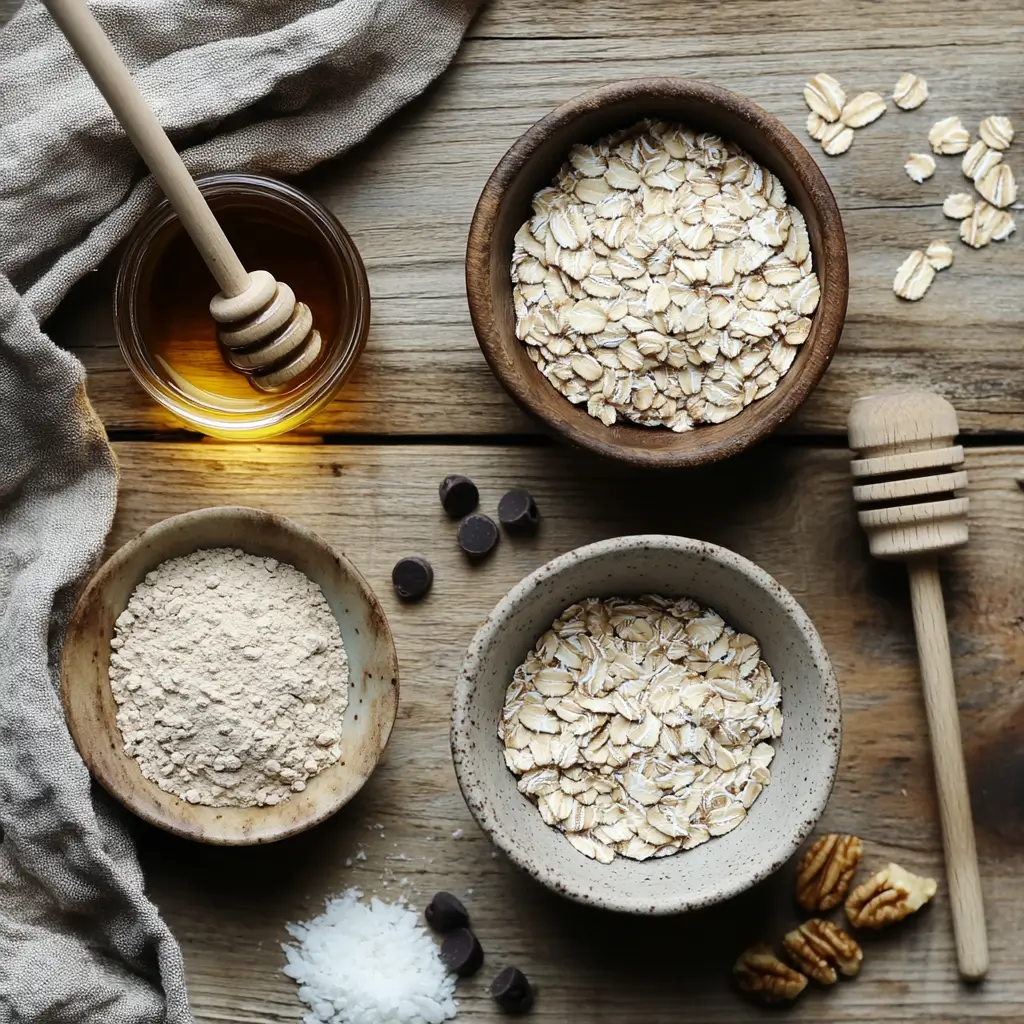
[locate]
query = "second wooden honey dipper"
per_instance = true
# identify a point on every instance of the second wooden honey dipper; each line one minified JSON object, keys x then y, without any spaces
{"x":264,"y":332}
{"x":909,"y":477}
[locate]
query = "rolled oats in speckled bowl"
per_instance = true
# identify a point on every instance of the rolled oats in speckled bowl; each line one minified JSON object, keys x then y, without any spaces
{"x":649,"y":724}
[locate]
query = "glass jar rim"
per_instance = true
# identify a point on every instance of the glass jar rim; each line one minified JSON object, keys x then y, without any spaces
{"x":294,"y":406}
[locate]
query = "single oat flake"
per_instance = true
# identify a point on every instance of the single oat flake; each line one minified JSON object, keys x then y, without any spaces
{"x":914,"y":277}
{"x":939,"y":254}
{"x":825,"y":96}
{"x":920,"y":166}
{"x":979,"y":160}
{"x":641,"y":727}
{"x":863,"y":109}
{"x":998,"y":186}
{"x":816,"y":126}
{"x":958,"y":205}
{"x":910,"y":91}
{"x":996,"y":132}
{"x":948,"y":137}
{"x":836,"y":139}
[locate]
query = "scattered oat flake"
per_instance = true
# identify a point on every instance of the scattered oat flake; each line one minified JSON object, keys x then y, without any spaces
{"x":863,"y":109}
{"x":910,"y":91}
{"x":459,"y":833}
{"x":975,"y":231}
{"x":958,"y":205}
{"x":920,"y":166}
{"x":939,"y":254}
{"x":986,"y":224}
{"x":825,"y":96}
{"x":949,"y":136}
{"x":979,"y":160}
{"x":837,"y":139}
{"x":998,"y":186}
{"x":996,"y":131}
{"x":914,"y":277}
{"x":816,"y":126}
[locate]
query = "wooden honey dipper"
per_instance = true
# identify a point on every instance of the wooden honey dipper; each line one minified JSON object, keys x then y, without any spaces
{"x":909,"y":475}
{"x":264,"y":332}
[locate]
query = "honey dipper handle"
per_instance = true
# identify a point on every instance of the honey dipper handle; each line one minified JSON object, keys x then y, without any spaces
{"x":950,"y":773}
{"x":113,"y":80}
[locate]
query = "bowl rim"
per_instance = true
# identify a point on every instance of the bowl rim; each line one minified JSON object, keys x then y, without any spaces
{"x":830,"y":723}
{"x":834,"y":297}
{"x":75,"y":628}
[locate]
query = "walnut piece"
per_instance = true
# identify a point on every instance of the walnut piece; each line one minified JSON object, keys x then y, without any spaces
{"x":819,"y":947}
{"x":825,"y":871}
{"x":888,"y":897}
{"x":760,"y":973}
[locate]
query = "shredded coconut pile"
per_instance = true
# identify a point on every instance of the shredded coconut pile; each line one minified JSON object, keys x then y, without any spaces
{"x":369,"y":963}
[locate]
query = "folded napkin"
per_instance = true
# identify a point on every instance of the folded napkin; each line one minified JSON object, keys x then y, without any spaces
{"x":239,"y":85}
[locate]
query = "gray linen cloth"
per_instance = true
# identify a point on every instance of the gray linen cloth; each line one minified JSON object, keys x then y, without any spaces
{"x":272,"y":86}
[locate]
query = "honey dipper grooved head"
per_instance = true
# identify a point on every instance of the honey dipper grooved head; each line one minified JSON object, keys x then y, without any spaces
{"x":908,"y":474}
{"x":264,"y":333}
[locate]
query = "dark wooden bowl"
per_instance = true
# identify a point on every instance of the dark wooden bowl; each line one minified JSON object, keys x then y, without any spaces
{"x":532,"y":162}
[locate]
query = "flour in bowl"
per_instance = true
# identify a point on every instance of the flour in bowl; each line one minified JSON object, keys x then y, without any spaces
{"x":231,"y":679}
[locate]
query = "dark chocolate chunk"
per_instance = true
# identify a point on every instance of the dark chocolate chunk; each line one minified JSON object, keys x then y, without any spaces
{"x":445,"y":913}
{"x":517,"y":512}
{"x":412,"y":577}
{"x":459,"y":495}
{"x":461,"y":952}
{"x":512,"y":991}
{"x":477,"y":535}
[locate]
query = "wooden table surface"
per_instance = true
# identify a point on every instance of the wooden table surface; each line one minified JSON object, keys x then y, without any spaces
{"x":423,"y":404}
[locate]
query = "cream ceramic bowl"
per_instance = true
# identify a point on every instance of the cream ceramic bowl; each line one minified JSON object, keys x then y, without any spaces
{"x":802,"y":772}
{"x":373,"y":675}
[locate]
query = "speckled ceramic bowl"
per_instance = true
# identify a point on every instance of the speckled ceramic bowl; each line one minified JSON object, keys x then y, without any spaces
{"x":802,"y":772}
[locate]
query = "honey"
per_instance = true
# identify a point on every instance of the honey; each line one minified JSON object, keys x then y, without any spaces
{"x":164,"y":289}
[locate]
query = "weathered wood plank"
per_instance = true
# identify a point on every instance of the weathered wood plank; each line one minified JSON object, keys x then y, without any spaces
{"x":408,"y":197}
{"x":786,"y":507}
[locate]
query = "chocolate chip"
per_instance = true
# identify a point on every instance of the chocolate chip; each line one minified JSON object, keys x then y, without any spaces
{"x":459,"y":495}
{"x":512,"y":991}
{"x":461,"y":952}
{"x":412,"y":577}
{"x":477,"y":535}
{"x":518,"y":512}
{"x":445,"y":913}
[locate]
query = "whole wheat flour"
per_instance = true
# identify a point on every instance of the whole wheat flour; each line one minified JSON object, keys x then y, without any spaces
{"x":231,"y":679}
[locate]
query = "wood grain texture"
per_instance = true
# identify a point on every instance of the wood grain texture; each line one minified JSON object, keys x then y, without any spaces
{"x":786,"y":507}
{"x":408,"y":197}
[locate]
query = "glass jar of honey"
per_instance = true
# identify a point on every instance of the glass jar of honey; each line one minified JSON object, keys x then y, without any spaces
{"x":162,"y":298}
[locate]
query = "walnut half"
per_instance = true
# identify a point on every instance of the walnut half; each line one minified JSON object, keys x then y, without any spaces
{"x":760,"y":973}
{"x":825,"y":871}
{"x":888,"y":897}
{"x":819,"y":947}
